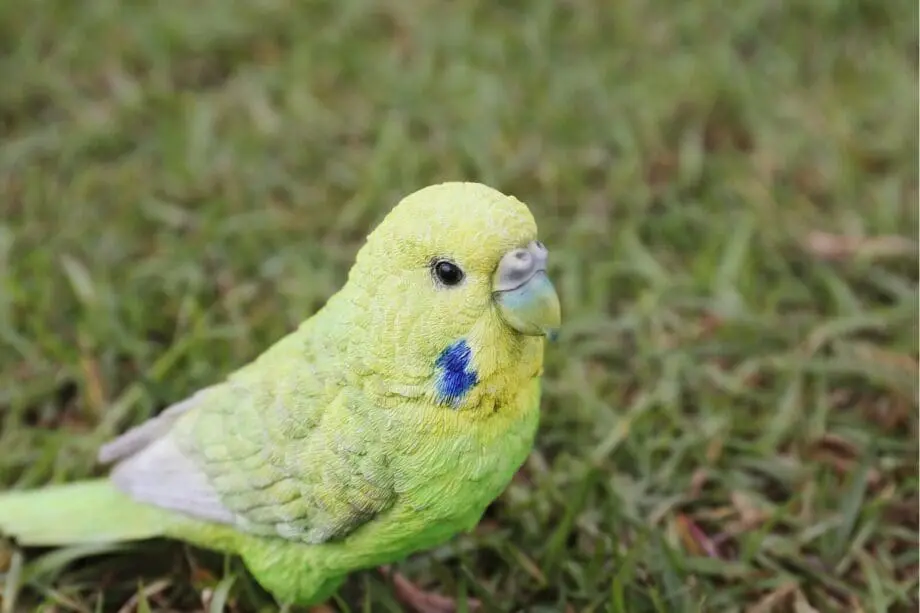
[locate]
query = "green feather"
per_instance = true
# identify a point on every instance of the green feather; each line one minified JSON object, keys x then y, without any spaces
{"x":77,"y":513}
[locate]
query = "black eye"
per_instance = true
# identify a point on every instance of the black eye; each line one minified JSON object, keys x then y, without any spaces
{"x":448,"y":273}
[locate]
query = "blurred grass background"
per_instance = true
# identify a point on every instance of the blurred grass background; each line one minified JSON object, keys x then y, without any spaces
{"x":729,"y":194}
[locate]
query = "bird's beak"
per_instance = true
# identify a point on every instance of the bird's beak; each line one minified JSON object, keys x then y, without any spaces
{"x":524,"y":294}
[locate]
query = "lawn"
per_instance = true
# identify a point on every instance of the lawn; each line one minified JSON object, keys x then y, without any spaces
{"x":729,"y":197}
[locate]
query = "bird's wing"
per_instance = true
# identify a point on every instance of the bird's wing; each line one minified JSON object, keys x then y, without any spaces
{"x":275,"y":455}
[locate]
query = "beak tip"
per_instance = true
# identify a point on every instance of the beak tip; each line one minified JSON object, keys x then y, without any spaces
{"x":532,"y":308}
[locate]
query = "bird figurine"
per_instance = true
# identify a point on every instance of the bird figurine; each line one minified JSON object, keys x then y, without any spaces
{"x":384,"y":425}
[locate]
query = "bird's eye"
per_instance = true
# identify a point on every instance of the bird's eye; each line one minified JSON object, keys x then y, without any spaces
{"x":448,"y":273}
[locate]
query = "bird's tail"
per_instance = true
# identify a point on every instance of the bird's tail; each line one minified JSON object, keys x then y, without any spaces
{"x":85,"y":512}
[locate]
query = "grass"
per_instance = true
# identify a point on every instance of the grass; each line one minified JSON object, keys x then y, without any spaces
{"x":730,"y":197}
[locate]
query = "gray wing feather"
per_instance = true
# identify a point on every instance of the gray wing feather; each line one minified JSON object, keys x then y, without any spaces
{"x":138,"y":437}
{"x":151,"y":468}
{"x":161,"y":475}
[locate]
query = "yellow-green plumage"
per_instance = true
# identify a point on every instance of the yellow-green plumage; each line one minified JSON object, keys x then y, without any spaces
{"x":384,"y":425}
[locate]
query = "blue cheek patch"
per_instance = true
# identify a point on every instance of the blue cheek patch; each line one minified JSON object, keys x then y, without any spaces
{"x":455,"y":376}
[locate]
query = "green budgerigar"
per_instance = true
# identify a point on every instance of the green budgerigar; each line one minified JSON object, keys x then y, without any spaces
{"x":384,"y":425}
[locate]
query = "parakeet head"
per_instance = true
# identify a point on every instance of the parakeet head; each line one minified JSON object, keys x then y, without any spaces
{"x":455,"y":286}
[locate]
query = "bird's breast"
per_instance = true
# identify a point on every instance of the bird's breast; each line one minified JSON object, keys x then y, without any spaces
{"x":459,"y":471}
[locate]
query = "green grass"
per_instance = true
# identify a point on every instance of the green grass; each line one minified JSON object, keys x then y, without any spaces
{"x":730,"y":197}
